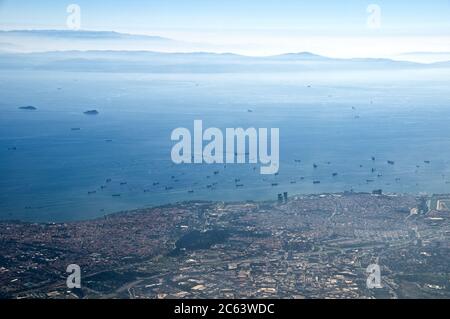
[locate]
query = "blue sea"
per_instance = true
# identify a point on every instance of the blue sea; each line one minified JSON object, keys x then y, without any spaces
{"x":335,"y":119}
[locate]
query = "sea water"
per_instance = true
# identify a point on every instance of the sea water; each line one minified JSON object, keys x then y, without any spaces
{"x":58,"y":164}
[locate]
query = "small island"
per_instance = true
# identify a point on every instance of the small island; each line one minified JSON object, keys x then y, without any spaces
{"x":91,"y":112}
{"x":28,"y":107}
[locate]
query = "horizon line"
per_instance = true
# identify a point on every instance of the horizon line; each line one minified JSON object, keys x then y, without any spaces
{"x":225,"y":52}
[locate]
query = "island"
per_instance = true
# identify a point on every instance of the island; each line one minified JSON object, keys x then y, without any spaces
{"x":91,"y":112}
{"x":28,"y":107}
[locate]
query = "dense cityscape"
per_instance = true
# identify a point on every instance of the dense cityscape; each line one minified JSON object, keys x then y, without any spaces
{"x":309,"y":246}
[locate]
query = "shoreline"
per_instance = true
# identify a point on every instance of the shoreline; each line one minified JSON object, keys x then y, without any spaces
{"x":199,"y":201}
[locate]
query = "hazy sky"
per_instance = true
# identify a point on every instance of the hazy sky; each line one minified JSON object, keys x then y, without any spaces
{"x":331,"y":27}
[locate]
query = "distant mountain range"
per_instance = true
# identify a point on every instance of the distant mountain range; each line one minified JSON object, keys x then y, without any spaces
{"x":80,"y":34}
{"x":196,"y":62}
{"x":27,"y":41}
{"x":102,"y":51}
{"x":63,"y":40}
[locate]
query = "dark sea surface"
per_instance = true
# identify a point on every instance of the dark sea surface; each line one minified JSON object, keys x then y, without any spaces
{"x":337,"y":120}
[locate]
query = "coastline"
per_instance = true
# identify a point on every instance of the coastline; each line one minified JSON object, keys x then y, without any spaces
{"x":194,"y":201}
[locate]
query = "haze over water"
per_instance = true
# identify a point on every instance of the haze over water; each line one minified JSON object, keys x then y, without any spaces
{"x":335,"y":119}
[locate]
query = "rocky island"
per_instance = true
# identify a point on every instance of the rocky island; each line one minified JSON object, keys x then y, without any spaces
{"x":91,"y":112}
{"x":28,"y":107}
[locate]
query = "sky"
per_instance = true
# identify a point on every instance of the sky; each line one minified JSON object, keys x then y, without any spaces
{"x":347,"y":28}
